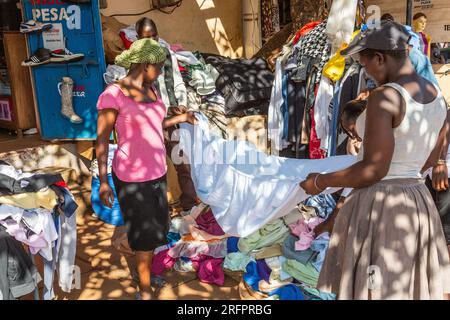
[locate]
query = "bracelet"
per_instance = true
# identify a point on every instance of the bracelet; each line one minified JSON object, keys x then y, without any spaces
{"x":315,"y":182}
{"x":441,"y":161}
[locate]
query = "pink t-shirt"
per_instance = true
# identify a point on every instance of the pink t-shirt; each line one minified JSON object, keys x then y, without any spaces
{"x":141,"y":153}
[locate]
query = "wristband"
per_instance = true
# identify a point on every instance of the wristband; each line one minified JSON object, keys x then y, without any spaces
{"x":315,"y":182}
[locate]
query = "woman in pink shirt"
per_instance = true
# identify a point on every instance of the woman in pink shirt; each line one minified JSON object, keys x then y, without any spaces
{"x":136,"y":111}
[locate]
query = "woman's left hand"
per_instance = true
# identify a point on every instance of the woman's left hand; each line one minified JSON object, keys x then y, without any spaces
{"x":309,"y":185}
{"x":190,"y":117}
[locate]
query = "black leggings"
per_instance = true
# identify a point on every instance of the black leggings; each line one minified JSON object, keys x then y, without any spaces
{"x":442,"y":201}
{"x":145,"y":211}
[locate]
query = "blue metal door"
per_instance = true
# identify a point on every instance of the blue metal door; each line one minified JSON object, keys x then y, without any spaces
{"x":82,"y":33}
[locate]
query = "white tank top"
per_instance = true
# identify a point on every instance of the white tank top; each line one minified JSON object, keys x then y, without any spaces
{"x":416,"y":135}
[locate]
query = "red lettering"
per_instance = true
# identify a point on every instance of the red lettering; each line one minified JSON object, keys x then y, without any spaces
{"x":47,"y":2}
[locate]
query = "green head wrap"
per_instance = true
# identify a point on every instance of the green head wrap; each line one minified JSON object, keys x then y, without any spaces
{"x":141,"y":51}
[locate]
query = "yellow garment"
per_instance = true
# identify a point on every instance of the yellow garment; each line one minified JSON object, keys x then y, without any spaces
{"x":334,"y":69}
{"x":46,"y":199}
{"x":269,"y":252}
{"x":173,"y":187}
{"x":428,"y":37}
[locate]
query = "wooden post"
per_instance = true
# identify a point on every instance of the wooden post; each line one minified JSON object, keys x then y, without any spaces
{"x":409,"y":12}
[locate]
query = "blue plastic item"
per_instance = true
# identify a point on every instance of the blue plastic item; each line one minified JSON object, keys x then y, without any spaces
{"x":82,"y":33}
{"x":111,"y":216}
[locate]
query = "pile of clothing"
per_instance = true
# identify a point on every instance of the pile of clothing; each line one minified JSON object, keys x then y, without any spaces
{"x":219,"y":87}
{"x":280,"y":261}
{"x":36,"y":210}
{"x":196,"y":243}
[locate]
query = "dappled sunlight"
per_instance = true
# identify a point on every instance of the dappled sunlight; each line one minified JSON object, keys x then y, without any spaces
{"x":389,"y":227}
{"x":205,"y":4}
{"x":218,"y":32}
{"x":105,"y":272}
{"x":220,"y":37}
{"x":204,"y":25}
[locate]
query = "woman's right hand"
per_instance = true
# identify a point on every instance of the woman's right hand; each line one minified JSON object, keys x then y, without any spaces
{"x":440,"y":177}
{"x":106,"y":194}
{"x":364,"y":95}
{"x":190,"y":117}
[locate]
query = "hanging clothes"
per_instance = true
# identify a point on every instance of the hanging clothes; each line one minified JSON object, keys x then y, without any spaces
{"x":275,"y":16}
{"x":334,"y":123}
{"x":275,"y":117}
{"x":304,"y":30}
{"x":315,"y":151}
{"x":321,"y":112}
{"x":304,"y":68}
{"x":267,"y":15}
{"x":315,"y":45}
{"x":18,"y":275}
{"x":334,"y":69}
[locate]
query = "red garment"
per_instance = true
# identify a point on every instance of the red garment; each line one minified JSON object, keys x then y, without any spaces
{"x":62,"y":184}
{"x":127,"y":43}
{"x":207,"y":222}
{"x":314,"y":143}
{"x":161,"y":262}
{"x":305,"y":29}
{"x":182,"y":69}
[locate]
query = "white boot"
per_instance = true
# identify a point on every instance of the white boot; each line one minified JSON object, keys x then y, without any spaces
{"x":66,"y":101}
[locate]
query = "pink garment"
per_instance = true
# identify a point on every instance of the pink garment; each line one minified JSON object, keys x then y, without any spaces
{"x":141,"y":153}
{"x":208,"y":223}
{"x":176,"y":47}
{"x":305,"y":231}
{"x":196,"y":261}
{"x":162,"y":262}
{"x":210,"y":271}
{"x":200,"y":235}
{"x":36,"y":242}
{"x":189,"y":249}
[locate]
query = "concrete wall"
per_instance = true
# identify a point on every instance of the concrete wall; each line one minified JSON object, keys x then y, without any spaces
{"x":251,"y":27}
{"x":213,"y":26}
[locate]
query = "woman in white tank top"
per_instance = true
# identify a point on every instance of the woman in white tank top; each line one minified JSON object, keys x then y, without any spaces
{"x":388,"y":241}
